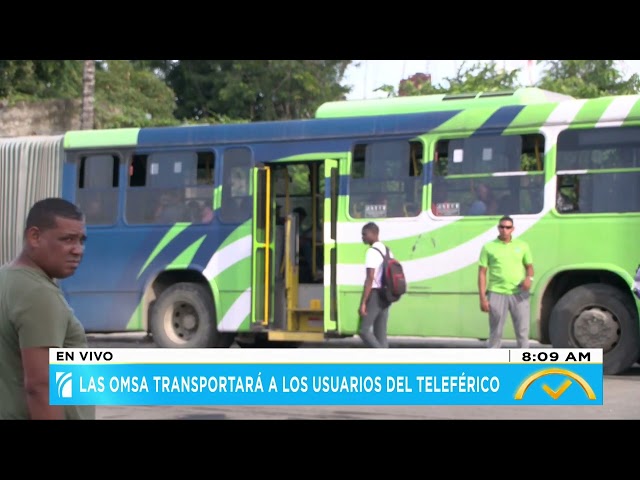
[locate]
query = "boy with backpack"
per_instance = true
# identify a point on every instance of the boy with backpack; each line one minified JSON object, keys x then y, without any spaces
{"x":384,"y":284}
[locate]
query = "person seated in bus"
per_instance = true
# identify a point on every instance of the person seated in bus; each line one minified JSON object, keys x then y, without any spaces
{"x":306,"y":249}
{"x":199,"y":213}
{"x":96,"y":213}
{"x":207,"y":214}
{"x":485,"y":202}
{"x":171,"y":209}
{"x":280,"y":220}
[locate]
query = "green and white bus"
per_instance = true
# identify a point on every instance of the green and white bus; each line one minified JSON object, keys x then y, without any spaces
{"x":195,"y":235}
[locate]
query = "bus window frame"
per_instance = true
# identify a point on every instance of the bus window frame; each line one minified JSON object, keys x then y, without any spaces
{"x":76,"y":161}
{"x":149,"y":152}
{"x":433,"y":140}
{"x":349,"y":174}
{"x":587,"y":172}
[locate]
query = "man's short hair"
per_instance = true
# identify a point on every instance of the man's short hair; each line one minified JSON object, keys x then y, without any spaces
{"x":371,"y":227}
{"x":506,"y":218}
{"x":44,"y":212}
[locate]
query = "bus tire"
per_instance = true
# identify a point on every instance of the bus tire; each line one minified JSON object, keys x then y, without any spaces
{"x":184,"y":317}
{"x":598,"y":316}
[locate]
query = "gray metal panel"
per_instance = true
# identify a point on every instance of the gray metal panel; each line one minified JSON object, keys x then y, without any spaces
{"x":30,"y":170}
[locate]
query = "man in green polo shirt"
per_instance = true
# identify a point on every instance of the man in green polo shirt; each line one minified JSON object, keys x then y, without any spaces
{"x":510,"y":266}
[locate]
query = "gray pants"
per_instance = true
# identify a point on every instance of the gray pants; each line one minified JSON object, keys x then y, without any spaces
{"x":373,"y":328}
{"x":499,"y":306}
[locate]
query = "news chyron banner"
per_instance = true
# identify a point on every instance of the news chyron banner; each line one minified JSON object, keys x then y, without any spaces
{"x":154,"y":376}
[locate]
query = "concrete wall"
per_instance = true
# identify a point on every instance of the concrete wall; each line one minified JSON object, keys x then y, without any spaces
{"x":51,"y":117}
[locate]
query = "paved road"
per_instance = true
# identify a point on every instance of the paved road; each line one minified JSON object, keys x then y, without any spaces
{"x":621,"y":396}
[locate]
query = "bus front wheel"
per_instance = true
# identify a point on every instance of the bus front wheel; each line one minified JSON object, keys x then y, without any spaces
{"x":598,"y":316}
{"x":184,"y":317}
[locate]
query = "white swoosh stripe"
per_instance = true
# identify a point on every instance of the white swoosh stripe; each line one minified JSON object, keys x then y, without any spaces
{"x":227,"y":256}
{"x":616,"y":112}
{"x":390,"y":228}
{"x":441,"y":264}
{"x":565,"y":112}
{"x":236,"y":314}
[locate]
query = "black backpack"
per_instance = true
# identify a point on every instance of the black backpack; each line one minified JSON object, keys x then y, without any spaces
{"x":394,"y":283}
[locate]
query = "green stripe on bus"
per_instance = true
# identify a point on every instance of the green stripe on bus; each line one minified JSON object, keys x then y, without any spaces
{"x":184,"y":259}
{"x":590,"y":113}
{"x":121,"y":137}
{"x":172,"y":233}
{"x":633,"y":117}
{"x":467,"y":121}
{"x":531,"y":116}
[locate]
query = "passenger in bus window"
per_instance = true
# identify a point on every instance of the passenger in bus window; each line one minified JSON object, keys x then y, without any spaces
{"x":306,"y":249}
{"x":485,"y":203}
{"x":199,"y":213}
{"x":171,"y":209}
{"x":95,"y":212}
{"x":207,"y":214}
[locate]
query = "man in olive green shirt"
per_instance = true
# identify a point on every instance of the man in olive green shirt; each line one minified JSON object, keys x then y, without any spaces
{"x":510,"y":266}
{"x":34,"y":315}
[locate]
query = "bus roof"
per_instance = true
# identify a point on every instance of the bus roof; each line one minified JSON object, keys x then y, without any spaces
{"x":434,"y":103}
{"x":530,"y":108}
{"x":257,"y":132}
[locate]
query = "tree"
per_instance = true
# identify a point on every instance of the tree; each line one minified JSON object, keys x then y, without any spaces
{"x":255,"y":90}
{"x":88,"y":95}
{"x":475,"y":78}
{"x":587,"y":78}
{"x":127,"y":96}
{"x":40,"y":79}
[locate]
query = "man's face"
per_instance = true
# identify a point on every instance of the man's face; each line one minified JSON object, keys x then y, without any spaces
{"x":505,"y":228}
{"x":367,"y":236}
{"x":59,"y":250}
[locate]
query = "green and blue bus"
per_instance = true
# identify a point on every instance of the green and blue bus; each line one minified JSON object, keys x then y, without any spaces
{"x":205,"y":235}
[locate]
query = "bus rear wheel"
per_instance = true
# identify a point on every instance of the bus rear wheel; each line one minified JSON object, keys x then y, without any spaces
{"x":598,"y":316}
{"x":184,"y":317}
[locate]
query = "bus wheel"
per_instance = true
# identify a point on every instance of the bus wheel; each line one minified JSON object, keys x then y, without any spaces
{"x":598,"y":316}
{"x":184,"y":317}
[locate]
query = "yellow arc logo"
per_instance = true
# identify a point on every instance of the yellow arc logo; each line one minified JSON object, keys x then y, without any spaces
{"x":555,"y":394}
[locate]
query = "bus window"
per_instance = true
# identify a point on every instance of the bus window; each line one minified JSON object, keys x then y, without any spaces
{"x":488,"y":175}
{"x":386,"y":180}
{"x":170,"y":187}
{"x":237,"y":203}
{"x":598,"y":170}
{"x":97,"y":193}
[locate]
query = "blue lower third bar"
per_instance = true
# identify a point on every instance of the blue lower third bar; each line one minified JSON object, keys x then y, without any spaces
{"x":326,"y":384}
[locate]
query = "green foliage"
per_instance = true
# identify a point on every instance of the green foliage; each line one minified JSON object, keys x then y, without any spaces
{"x":475,"y":78}
{"x":577,"y":78}
{"x":587,"y":78}
{"x":256,"y":90}
{"x":40,"y":79}
{"x":130,"y":97}
{"x":140,"y":93}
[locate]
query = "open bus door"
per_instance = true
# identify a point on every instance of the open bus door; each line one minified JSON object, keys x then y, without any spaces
{"x":262,"y":251}
{"x":331,"y":197}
